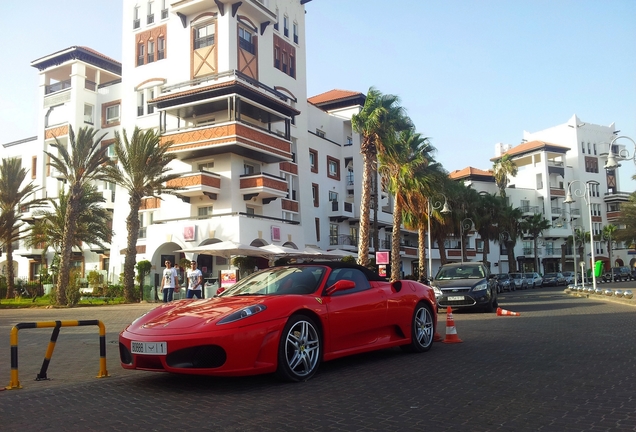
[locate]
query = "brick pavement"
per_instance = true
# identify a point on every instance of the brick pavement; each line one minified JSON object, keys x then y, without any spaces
{"x":566,"y":363}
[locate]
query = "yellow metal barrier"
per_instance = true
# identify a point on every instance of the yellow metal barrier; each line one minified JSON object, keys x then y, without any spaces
{"x":15,"y":381}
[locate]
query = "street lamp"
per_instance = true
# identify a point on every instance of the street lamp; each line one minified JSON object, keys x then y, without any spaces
{"x":622,"y":154}
{"x":586,"y":195}
{"x":444,"y":209}
{"x":466,"y":224}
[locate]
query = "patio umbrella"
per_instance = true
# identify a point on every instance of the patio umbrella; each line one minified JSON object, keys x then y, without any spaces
{"x":280,"y":250}
{"x":229,"y":249}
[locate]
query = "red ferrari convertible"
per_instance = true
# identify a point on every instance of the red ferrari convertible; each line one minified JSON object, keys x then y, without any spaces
{"x":284,"y":320}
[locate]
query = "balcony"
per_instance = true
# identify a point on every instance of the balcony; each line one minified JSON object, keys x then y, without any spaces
{"x":231,"y":137}
{"x":527,"y":210}
{"x":198,"y":183}
{"x":268,"y":187}
{"x":340,"y":211}
{"x":289,"y":205}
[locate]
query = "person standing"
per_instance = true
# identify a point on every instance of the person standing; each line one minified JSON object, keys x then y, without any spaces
{"x":169,"y":282}
{"x":195,"y":281}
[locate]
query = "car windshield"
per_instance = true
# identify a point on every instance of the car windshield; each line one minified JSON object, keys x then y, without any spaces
{"x":464,"y":272}
{"x":550,"y":275}
{"x":516,"y":276}
{"x":277,"y":281}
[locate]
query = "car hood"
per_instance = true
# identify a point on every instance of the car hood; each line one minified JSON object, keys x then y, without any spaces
{"x":458,"y":283}
{"x":186,"y":315}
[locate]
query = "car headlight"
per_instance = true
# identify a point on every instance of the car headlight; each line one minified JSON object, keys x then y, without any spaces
{"x":480,"y":287}
{"x":436,"y":290}
{"x":243,"y":313}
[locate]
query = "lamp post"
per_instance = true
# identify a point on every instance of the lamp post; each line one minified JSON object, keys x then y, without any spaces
{"x":466,"y":224}
{"x":586,"y":195}
{"x":622,"y":154}
{"x":444,"y":209}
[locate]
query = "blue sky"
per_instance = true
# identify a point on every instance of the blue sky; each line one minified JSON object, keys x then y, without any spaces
{"x":469,"y":73}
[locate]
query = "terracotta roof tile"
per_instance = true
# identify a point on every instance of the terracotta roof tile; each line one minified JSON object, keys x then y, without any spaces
{"x":332,"y":96}
{"x":530,"y":147}
{"x":468,"y":172}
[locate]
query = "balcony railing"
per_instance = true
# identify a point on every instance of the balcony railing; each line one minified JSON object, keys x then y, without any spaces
{"x":136,"y":23}
{"x":529,"y":209}
{"x":150,"y":19}
{"x":164,"y":13}
{"x":58,"y":86}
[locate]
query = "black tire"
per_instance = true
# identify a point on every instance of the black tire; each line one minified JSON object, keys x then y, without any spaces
{"x":299,"y":349}
{"x":490,"y":307}
{"x":422,"y":330}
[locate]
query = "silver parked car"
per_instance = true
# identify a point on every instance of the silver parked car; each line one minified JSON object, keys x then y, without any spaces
{"x":533,"y":280}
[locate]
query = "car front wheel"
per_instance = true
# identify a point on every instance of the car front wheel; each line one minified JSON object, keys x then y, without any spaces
{"x":299,"y":349}
{"x":422,"y":330}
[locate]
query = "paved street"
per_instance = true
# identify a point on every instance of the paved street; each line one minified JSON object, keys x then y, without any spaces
{"x":566,"y":364}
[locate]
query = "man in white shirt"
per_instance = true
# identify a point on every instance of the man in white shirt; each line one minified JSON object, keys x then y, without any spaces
{"x":195,"y":281}
{"x":169,"y":282}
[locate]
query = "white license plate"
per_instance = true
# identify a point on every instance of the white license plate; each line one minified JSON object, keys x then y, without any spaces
{"x":149,"y":348}
{"x":455,"y":298}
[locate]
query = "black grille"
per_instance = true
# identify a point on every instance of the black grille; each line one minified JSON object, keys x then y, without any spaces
{"x":201,"y":357}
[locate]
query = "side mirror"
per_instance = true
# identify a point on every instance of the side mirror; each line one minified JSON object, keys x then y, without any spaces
{"x":341,"y":285}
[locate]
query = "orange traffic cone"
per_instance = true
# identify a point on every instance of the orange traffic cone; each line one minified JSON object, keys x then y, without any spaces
{"x":503,"y":312}
{"x":451,"y":332}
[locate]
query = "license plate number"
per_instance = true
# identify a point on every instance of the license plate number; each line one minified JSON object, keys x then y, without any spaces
{"x":149,"y":348}
{"x":455,"y":298}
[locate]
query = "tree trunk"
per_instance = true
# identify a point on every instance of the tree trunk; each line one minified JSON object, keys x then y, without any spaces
{"x":395,"y":237}
{"x":70,"y":224}
{"x":365,"y":201}
{"x":442,"y":249}
{"x":512,"y":262}
{"x":10,"y":272}
{"x":376,"y":204}
{"x":132,"y":225}
{"x":421,"y":253}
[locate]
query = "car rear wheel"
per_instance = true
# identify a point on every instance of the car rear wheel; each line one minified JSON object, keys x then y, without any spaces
{"x":422,"y":330}
{"x":299,"y":349}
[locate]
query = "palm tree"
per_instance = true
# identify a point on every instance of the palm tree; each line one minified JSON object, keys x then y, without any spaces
{"x":503,"y":168}
{"x":415,"y":214}
{"x":533,"y":227}
{"x":380,"y":117}
{"x":13,"y":201}
{"x":82,"y":163}
{"x":93,"y":222}
{"x":608,"y":234}
{"x":404,"y":159}
{"x":486,"y":220}
{"x":509,"y":231}
{"x":627,"y":221}
{"x":143,"y":172}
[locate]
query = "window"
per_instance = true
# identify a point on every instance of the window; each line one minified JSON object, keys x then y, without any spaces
{"x":204,"y":36}
{"x":313,"y":160}
{"x":277,"y":58}
{"x":320,"y":133}
{"x":295,"y":32}
{"x":205,"y":211}
{"x":151,"y":51}
{"x":333,"y":166}
{"x":333,"y":198}
{"x":591,"y":165}
{"x":286,"y":26}
{"x":151,"y":96}
{"x":349,"y":141}
{"x":151,"y":15}
{"x":582,"y":147}
{"x":292,"y":66}
{"x":136,"y":18}
{"x":594,"y":147}
{"x":250,"y":211}
{"x":317,"y":223}
{"x":277,"y":19}
{"x":140,"y":54}
{"x":314,"y":194}
{"x":140,"y":103}
{"x":284,"y":62}
{"x":333,"y":234}
{"x":111,"y":112}
{"x":161,"y":48}
{"x":248,"y":169}
{"x":284,"y":56}
{"x":245,"y":40}
{"x":588,"y":149}
{"x":88,"y":114}
{"x":353,"y":233}
{"x":164,"y":9}
{"x":207,"y":166}
{"x":34,"y":166}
